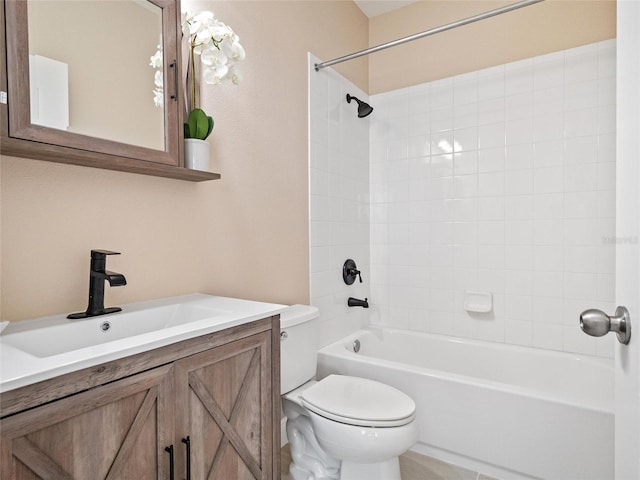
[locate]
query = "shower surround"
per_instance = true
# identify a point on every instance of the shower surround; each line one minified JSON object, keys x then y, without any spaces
{"x":499,"y":181}
{"x":503,"y":181}
{"x":339,"y":201}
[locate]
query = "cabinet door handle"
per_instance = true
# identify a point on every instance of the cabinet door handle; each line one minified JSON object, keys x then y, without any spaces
{"x":174,"y":65}
{"x":187,"y":443}
{"x":171,"y":469}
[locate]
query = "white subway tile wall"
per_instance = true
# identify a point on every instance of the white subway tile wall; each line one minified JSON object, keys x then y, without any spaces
{"x":339,"y":201}
{"x":499,"y":180}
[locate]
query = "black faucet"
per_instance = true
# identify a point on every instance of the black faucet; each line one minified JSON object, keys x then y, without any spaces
{"x":356,"y":302}
{"x":97,"y":276}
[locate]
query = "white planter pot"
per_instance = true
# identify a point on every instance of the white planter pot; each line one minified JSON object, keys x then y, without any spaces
{"x":196,"y":154}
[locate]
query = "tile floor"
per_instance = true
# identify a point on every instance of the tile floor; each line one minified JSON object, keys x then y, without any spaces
{"x":413,"y":466}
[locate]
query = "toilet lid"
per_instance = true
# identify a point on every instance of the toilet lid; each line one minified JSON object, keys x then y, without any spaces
{"x":359,"y":401}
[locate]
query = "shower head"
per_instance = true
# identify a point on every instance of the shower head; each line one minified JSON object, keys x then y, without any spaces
{"x":364,"y":109}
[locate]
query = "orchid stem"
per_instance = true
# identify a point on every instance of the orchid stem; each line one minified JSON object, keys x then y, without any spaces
{"x":194,"y":100}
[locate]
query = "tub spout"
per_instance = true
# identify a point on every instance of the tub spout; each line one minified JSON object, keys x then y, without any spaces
{"x":356,"y":302}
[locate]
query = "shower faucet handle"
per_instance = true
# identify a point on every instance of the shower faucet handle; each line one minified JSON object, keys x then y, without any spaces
{"x":350,"y":272}
{"x":355,"y":272}
{"x":359,"y":275}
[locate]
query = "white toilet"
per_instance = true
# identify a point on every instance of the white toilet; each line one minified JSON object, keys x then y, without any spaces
{"x":341,"y":427}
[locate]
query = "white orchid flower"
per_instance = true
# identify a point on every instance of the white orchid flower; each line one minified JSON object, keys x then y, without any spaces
{"x":213,"y":57}
{"x":234,"y":75}
{"x":156,"y":58}
{"x":156,"y":61}
{"x":158,"y":81}
{"x":200,"y":21}
{"x":219,"y":29}
{"x":187,"y":18}
{"x":218,"y":47}
{"x":158,"y":97}
{"x":233,"y":51}
{"x":215,"y":75}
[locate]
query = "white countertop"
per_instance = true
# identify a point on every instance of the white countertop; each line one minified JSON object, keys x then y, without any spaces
{"x":83,"y":347}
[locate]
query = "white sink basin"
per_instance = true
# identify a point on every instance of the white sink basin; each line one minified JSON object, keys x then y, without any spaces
{"x":77,"y":334}
{"x":35,"y":350}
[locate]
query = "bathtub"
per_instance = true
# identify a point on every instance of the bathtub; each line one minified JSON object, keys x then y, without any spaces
{"x":511,"y":412}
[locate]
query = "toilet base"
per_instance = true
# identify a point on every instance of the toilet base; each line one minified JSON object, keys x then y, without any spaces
{"x":310,"y":462}
{"x":387,"y":470}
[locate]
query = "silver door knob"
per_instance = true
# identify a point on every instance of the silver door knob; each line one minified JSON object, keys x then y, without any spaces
{"x":597,"y":323}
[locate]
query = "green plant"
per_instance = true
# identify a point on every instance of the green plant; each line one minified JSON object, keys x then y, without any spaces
{"x":198,"y":125}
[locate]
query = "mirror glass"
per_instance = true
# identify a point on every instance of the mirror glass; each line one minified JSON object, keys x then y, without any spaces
{"x":91,"y":70}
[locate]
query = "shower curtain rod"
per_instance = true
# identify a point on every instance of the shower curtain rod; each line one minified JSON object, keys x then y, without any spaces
{"x":416,"y":36}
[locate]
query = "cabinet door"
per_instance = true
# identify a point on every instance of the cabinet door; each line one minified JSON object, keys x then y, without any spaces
{"x":115,"y":431}
{"x":223,"y":397}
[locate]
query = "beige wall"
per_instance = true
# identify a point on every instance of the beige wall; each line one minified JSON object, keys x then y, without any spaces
{"x":245,"y":235}
{"x":534,"y":30}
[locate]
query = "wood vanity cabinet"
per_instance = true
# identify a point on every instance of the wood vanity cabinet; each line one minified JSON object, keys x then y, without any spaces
{"x":112,"y":431}
{"x":215,"y":404}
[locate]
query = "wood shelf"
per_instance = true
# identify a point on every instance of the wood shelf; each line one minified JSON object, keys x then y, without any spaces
{"x":56,"y":153}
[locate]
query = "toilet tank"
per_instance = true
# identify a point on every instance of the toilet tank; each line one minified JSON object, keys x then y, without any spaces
{"x":298,"y":346}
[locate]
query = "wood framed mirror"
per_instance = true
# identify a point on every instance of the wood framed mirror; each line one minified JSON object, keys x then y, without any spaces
{"x":81,"y":86}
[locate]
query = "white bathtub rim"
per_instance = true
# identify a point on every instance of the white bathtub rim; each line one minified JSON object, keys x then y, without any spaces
{"x":341,"y":349}
{"x":379,"y":331}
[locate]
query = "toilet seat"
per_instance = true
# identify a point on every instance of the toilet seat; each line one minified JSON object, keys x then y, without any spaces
{"x":359,"y":401}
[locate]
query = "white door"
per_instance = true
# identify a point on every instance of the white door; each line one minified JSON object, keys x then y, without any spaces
{"x":627,"y":360}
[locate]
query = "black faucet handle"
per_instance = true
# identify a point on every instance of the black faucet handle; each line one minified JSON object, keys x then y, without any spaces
{"x":99,"y":259}
{"x":350,"y":272}
{"x":354,"y":272}
{"x":357,"y":272}
{"x":102,"y":253}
